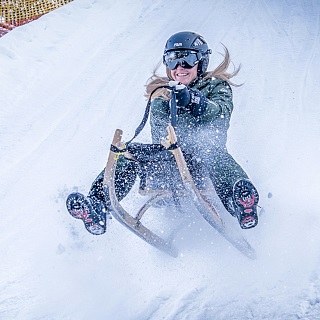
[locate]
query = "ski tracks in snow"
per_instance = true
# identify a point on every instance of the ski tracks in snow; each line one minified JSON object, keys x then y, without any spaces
{"x":73,"y":71}
{"x":309,"y":306}
{"x":206,"y":303}
{"x":185,"y":306}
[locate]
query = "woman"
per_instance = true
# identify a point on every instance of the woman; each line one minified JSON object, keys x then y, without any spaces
{"x":204,"y":102}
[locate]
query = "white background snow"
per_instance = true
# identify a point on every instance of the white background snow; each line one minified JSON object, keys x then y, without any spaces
{"x":69,"y":79}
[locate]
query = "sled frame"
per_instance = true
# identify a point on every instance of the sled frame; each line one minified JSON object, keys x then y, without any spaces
{"x":201,"y":200}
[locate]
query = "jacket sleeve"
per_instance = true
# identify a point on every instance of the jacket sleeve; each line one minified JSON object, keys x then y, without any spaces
{"x":219,"y":101}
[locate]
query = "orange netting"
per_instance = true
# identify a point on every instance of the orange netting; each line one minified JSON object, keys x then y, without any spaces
{"x":14,"y":13}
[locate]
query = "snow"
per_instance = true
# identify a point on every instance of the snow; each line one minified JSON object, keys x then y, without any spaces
{"x":70,"y":78}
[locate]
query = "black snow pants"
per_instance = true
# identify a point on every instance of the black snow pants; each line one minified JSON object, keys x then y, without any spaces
{"x":161,"y":173}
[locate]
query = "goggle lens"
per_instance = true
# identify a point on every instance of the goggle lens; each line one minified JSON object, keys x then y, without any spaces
{"x":185,"y":58}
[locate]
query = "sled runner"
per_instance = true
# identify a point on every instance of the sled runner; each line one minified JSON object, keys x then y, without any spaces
{"x":119,"y":213}
{"x":204,"y":200}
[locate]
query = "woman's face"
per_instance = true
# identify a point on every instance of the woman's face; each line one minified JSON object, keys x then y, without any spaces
{"x":183,"y":75}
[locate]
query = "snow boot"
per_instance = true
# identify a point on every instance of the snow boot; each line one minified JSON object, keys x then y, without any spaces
{"x":246,"y":197}
{"x":93,"y":214}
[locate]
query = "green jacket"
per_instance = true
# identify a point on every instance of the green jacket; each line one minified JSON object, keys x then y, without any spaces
{"x":202,"y":135}
{"x":202,"y":138}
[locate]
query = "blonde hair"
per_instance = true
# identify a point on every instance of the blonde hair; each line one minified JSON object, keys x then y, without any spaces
{"x":220,"y":72}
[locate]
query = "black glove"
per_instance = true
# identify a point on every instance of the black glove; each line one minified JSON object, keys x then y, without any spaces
{"x":192,"y":100}
{"x":183,"y":96}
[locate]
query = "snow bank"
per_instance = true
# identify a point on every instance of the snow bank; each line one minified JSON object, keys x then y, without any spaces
{"x":73,"y":76}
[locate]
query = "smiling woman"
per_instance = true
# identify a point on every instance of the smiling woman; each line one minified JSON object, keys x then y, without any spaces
{"x":205,"y":108}
{"x":204,"y":101}
{"x":176,"y":56}
{"x":184,"y":75}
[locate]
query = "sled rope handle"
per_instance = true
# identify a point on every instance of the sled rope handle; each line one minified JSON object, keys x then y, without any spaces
{"x":147,"y":112}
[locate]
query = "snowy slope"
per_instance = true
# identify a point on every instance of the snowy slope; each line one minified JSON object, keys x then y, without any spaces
{"x":73,"y":76}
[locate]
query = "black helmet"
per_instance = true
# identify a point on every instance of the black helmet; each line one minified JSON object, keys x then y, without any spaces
{"x":189,"y":41}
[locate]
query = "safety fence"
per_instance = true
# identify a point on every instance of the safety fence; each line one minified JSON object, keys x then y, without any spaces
{"x":14,"y":13}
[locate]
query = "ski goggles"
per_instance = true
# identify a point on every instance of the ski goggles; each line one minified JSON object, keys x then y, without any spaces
{"x":185,"y":58}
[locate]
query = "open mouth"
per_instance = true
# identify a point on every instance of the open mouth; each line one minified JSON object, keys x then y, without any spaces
{"x":182,"y":74}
